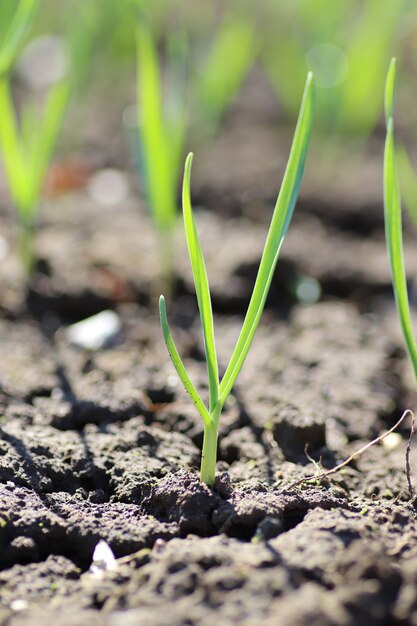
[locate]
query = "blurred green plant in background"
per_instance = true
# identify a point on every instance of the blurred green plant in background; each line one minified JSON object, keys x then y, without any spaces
{"x":347,"y":44}
{"x":179,"y":102}
{"x":26,"y":147}
{"x":185,"y":64}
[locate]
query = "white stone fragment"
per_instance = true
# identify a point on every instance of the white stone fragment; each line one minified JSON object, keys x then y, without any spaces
{"x":95,"y":332}
{"x":103,"y":559}
{"x":19,"y":605}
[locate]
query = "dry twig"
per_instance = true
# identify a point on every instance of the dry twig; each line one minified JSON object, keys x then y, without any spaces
{"x":353,"y":456}
{"x":407,"y":457}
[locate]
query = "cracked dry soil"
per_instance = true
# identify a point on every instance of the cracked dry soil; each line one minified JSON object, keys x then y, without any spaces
{"x":106,"y":445}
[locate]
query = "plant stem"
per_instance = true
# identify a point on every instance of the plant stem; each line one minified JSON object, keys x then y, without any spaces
{"x":26,"y":247}
{"x":209,"y":455}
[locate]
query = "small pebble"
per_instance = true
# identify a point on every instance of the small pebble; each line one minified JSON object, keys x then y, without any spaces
{"x":103,"y":559}
{"x":19,"y":605}
{"x":96,"y":332}
{"x":159,"y":545}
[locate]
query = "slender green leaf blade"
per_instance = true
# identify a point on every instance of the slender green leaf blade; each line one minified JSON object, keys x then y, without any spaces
{"x":219,"y":82}
{"x":393,"y":232}
{"x":161,"y":186}
{"x":179,"y":366}
{"x":46,"y":136}
{"x":390,"y":90}
{"x":28,"y":125}
{"x":13,"y":154}
{"x":55,"y":106}
{"x":367,"y":52}
{"x":16,"y":33}
{"x":201,"y":286}
{"x":280,"y":221}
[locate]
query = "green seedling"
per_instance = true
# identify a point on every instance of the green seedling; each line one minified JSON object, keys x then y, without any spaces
{"x":26,"y":148}
{"x":393,"y":223}
{"x":100,"y":41}
{"x":161,"y":134}
{"x":164,"y":117}
{"x":218,"y":82}
{"x":26,"y":155}
{"x":220,"y":390}
{"x":161,"y":139}
{"x":14,"y":26}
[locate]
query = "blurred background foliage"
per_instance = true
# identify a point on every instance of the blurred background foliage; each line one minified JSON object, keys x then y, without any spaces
{"x":347,"y":43}
{"x":207,"y":50}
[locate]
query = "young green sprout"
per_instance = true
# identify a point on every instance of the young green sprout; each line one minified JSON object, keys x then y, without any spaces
{"x":164,"y":123}
{"x":26,"y":156}
{"x":219,"y":390}
{"x":217,"y":84}
{"x":161,"y":135}
{"x":393,"y":223}
{"x":27,"y":150}
{"x":161,"y":140}
{"x":13,"y":30}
